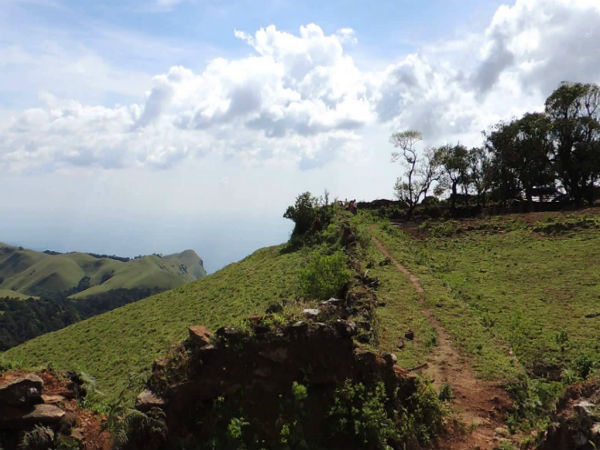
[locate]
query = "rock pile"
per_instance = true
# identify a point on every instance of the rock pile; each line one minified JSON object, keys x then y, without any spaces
{"x":38,"y":408}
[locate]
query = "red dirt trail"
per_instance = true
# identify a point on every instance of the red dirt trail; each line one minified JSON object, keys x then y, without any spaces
{"x":478,"y":403}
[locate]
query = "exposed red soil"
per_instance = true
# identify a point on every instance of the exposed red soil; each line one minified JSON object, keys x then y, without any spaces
{"x":479,"y":403}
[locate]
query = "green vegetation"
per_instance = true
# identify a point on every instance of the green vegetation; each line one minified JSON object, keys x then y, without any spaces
{"x":371,"y":419}
{"x":550,"y":155}
{"x":21,"y":320}
{"x":128,"y":339}
{"x":79,"y":275}
{"x":519,"y":294}
{"x":324,"y":276}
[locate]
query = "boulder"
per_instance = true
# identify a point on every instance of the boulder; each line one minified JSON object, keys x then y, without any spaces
{"x":14,"y":417}
{"x":24,"y":390}
{"x":199,"y":335}
{"x":147,"y":400}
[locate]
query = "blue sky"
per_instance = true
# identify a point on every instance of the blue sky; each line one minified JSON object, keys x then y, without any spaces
{"x":139,"y":127}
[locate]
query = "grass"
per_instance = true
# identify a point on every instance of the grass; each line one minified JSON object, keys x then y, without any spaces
{"x":399,"y":311}
{"x":491,"y":356}
{"x":127,"y":340}
{"x":7,"y":293}
{"x":40,"y":274}
{"x":503,"y":284}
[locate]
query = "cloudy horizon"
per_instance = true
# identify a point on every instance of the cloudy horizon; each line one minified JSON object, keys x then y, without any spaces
{"x":133,"y":128}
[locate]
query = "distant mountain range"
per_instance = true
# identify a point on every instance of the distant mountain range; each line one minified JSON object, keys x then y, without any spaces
{"x":26,"y":273}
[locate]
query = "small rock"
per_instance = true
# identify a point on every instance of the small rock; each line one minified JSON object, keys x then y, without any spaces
{"x":345,"y":328}
{"x":199,"y":335}
{"x":390,"y":358}
{"x":20,"y":417}
{"x":400,"y":344}
{"x":147,"y":400}
{"x":311,"y":313}
{"x":52,"y":398}
{"x":584,"y":409}
{"x":592,"y":315}
{"x":381,"y":304}
{"x":25,"y":390}
{"x":298,"y":328}
{"x":410,"y":335}
{"x":333,"y":302}
{"x":596,"y":429}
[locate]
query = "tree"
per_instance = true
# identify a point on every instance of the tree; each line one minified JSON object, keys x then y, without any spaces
{"x":478,"y":172}
{"x":454,"y":164}
{"x":574,"y":110}
{"x":420,"y":173}
{"x":303,"y":213}
{"x":521,"y":152}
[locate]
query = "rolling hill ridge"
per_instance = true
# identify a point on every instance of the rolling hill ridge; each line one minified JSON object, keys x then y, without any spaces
{"x":50,"y":274}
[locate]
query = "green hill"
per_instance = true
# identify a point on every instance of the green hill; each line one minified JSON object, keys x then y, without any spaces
{"x":51,"y":274}
{"x":128,"y":339}
{"x":7,"y":293}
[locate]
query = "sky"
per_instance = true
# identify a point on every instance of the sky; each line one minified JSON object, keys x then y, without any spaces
{"x":132,"y":127}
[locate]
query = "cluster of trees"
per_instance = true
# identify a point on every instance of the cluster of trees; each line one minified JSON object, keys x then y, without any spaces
{"x":552,"y":154}
{"x":22,"y":320}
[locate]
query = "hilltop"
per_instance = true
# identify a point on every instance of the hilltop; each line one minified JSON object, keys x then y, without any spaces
{"x":498,"y":312}
{"x":79,"y":275}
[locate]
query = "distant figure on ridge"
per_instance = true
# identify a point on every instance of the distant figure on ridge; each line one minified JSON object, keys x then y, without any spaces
{"x":352,"y":206}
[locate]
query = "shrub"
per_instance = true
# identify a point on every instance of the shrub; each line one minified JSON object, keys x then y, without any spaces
{"x":324,"y":276}
{"x":361,"y":413}
{"x":40,"y":438}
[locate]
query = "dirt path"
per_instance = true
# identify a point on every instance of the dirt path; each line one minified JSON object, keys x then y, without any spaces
{"x":479,"y":403}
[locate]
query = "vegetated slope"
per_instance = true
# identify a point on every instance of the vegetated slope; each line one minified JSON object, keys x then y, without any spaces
{"x":7,"y":293}
{"x":519,"y":295}
{"x":127,"y":340}
{"x":51,"y":274}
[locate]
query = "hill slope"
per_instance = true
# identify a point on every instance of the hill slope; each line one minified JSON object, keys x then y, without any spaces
{"x":51,"y":274}
{"x":128,"y":339}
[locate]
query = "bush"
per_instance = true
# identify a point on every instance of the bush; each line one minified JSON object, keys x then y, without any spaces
{"x":361,"y":413}
{"x":39,"y":438}
{"x":310,"y":215}
{"x":324,"y":276}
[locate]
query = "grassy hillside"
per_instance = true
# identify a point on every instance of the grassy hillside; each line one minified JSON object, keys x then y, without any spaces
{"x":128,"y":339}
{"x":51,"y":274}
{"x":7,"y":293}
{"x":527,"y":285}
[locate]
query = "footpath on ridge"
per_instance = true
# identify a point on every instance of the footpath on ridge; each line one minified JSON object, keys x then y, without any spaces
{"x":479,"y":403}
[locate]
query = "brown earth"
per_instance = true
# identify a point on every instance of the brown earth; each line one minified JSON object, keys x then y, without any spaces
{"x":480,"y":404}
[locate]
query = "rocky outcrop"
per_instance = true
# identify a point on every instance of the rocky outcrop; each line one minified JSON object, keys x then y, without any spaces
{"x":20,"y":391}
{"x":257,"y":370}
{"x":576,"y":423}
{"x":38,"y":408}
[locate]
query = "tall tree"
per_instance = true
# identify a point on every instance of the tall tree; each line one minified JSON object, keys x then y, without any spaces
{"x":454,"y":165}
{"x":478,"y":172}
{"x":574,"y":109}
{"x":421,"y":170}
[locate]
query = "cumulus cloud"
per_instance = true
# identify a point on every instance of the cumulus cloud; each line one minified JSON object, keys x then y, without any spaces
{"x":277,"y":102}
{"x":301,"y":97}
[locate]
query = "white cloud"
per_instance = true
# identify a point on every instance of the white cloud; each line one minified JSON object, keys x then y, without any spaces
{"x":301,"y":97}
